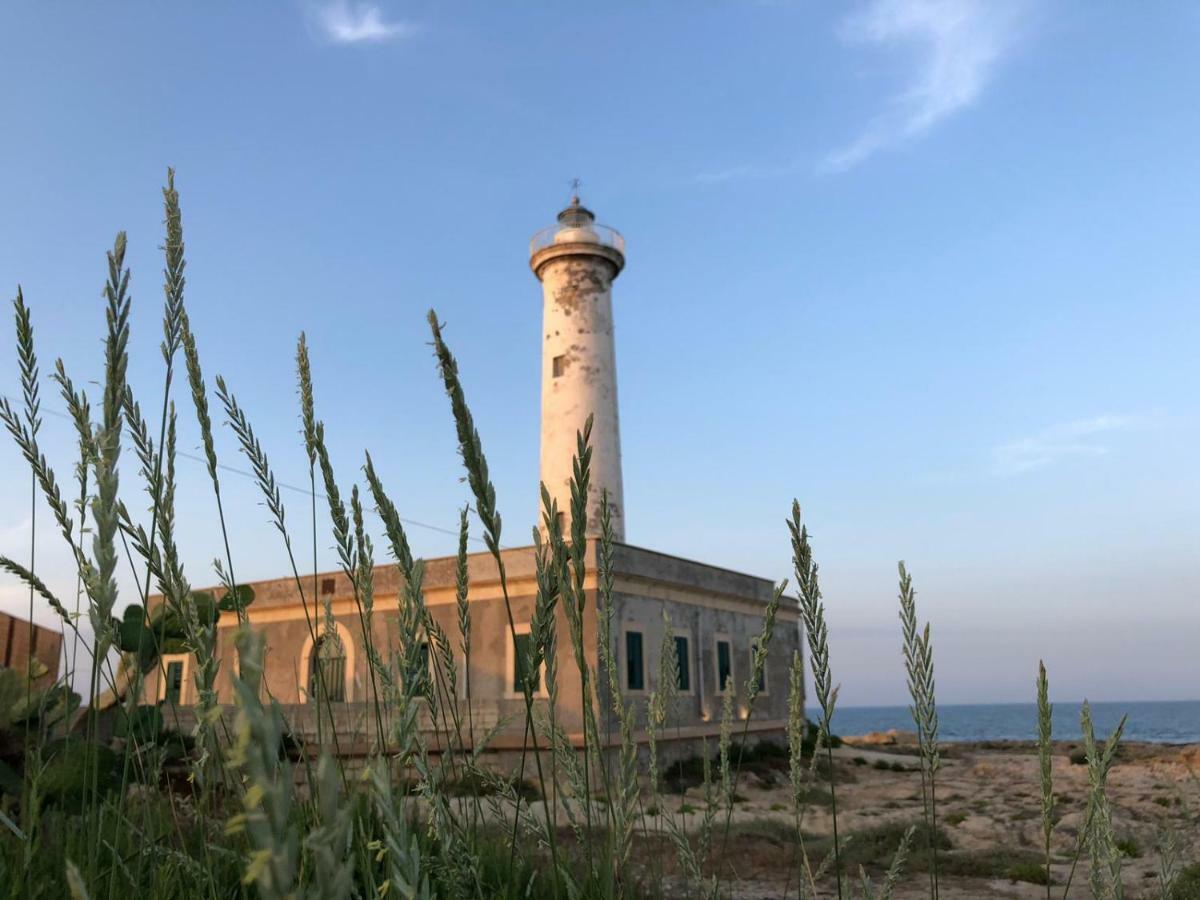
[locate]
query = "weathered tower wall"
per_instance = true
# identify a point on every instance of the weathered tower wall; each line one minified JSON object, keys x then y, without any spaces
{"x":576,"y":263}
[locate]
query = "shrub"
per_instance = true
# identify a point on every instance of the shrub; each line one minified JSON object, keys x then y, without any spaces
{"x":1128,"y":846}
{"x":1032,"y":872}
{"x":1187,"y":883}
{"x":992,"y":863}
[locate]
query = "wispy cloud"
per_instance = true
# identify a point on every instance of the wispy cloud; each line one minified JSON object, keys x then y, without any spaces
{"x":960,"y":43}
{"x":1085,"y":437}
{"x":748,"y":171}
{"x":344,"y":22}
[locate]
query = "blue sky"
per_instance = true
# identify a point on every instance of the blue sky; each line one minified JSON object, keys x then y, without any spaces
{"x":929,"y":267}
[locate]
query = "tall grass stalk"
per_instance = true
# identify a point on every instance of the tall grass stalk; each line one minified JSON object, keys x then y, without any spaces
{"x":199,"y":393}
{"x":1099,"y":760}
{"x":264,"y":476}
{"x":471,"y":450}
{"x":27,"y":360}
{"x":1105,"y":872}
{"x":812,"y":613}
{"x":1045,"y":714}
{"x":918,"y":667}
{"x":752,"y":688}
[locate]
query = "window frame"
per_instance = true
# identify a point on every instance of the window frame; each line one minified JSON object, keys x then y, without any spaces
{"x":731,"y":681}
{"x":692,"y":666}
{"x":425,"y":649}
{"x":510,"y":678}
{"x":348,"y":678}
{"x":640,"y":631}
{"x":166,"y":660}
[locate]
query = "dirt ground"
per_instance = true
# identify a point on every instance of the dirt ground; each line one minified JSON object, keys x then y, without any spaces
{"x":989,"y":805}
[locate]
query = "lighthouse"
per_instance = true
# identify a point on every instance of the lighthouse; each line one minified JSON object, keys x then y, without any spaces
{"x":576,"y":261}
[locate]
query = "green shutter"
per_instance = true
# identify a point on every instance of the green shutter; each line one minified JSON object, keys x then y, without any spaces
{"x":724,"y":665}
{"x":521,"y":647}
{"x":635,"y":671}
{"x":683,"y":661}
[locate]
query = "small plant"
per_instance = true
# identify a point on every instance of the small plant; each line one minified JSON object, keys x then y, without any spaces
{"x":1129,"y":847}
{"x":1186,"y":885}
{"x":1031,"y":872}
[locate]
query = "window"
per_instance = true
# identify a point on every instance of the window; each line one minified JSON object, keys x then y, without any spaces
{"x":522,"y":645}
{"x":635,"y":664}
{"x":762,"y":676}
{"x":560,"y":522}
{"x":683,"y":664}
{"x":558,"y":365}
{"x":724,"y":665}
{"x":424,"y":681}
{"x":327,"y":664}
{"x":174,"y":688}
{"x":172,"y":678}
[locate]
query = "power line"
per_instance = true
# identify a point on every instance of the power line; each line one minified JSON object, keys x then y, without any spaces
{"x":290,"y":487}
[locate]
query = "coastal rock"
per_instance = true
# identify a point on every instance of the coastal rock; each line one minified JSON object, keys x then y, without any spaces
{"x":887,"y":738}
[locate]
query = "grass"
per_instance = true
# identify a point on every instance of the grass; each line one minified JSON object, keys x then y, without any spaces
{"x":1129,"y":847}
{"x":151,"y":812}
{"x":1028,"y":870}
{"x":1187,"y":884}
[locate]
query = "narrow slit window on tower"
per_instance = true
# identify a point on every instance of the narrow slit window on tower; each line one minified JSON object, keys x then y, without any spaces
{"x":558,"y":365}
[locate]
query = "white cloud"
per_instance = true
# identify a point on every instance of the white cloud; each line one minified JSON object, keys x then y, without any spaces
{"x":959,"y":44}
{"x":344,"y":22}
{"x":1060,"y":442}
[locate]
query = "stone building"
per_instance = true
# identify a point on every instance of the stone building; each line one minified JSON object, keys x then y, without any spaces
{"x":714,"y":614}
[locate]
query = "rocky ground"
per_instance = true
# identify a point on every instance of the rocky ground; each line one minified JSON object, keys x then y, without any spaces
{"x":989,"y":806}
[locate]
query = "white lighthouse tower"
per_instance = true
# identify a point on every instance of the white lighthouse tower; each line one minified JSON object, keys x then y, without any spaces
{"x":576,"y":261}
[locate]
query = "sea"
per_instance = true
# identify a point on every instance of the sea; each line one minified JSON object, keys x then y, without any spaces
{"x":1165,"y":722}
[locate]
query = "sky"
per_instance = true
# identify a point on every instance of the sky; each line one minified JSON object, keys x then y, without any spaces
{"x":928,"y":266}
